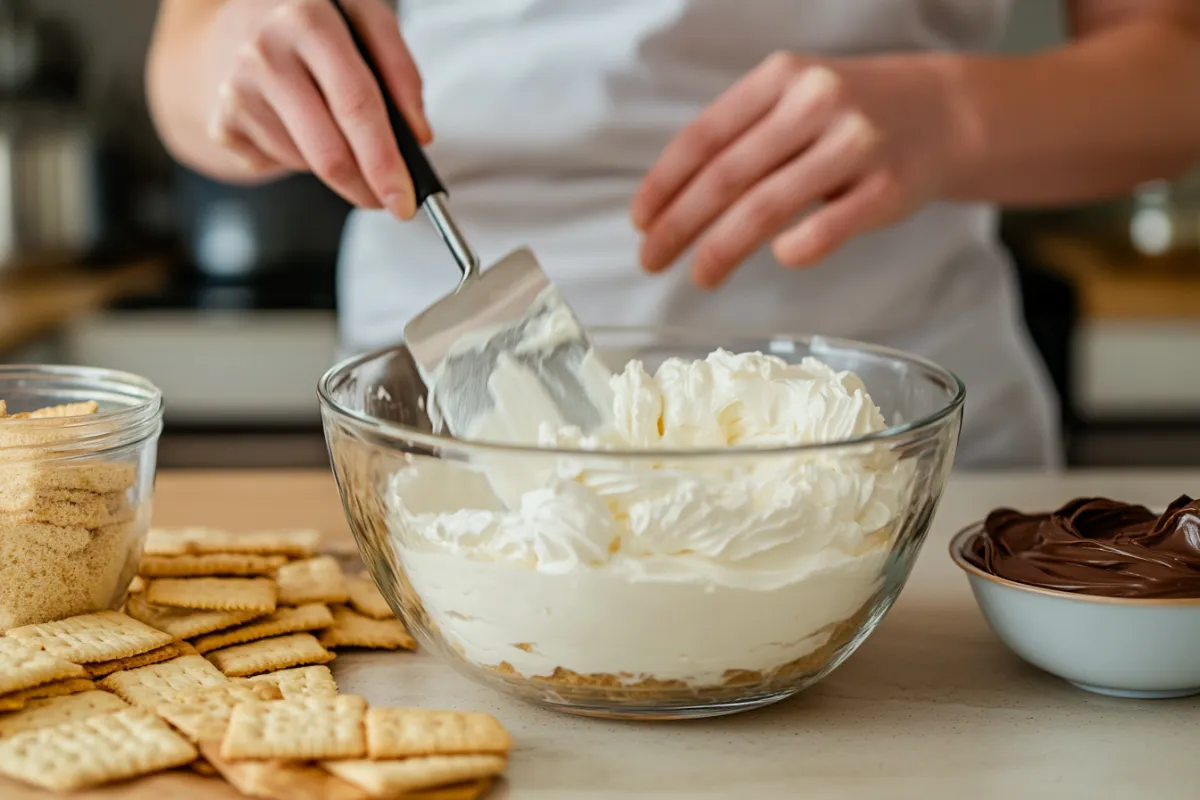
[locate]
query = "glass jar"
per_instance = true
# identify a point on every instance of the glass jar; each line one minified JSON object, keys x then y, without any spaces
{"x":77,"y":461}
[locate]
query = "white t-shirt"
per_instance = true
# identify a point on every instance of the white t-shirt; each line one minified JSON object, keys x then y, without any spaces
{"x":547,"y":115}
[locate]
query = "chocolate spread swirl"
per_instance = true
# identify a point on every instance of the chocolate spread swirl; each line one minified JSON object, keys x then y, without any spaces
{"x":1095,"y":546}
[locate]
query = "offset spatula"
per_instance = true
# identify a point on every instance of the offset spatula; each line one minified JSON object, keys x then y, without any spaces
{"x":494,"y":314}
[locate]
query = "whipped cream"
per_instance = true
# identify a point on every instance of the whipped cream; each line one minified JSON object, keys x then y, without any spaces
{"x":673,"y":565}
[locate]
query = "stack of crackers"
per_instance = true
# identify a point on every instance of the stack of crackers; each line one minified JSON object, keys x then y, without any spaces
{"x":104,"y":697}
{"x":68,"y":530}
{"x":254,"y":603}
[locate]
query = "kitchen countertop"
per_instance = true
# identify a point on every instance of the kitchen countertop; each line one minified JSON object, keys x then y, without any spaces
{"x":33,"y":302}
{"x":932,"y":705}
{"x":1115,"y":287}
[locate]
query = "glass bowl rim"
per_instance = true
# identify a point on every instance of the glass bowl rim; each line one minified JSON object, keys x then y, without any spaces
{"x":130,"y":421}
{"x":391,"y":430}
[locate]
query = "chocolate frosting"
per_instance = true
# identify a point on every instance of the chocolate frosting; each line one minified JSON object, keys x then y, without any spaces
{"x":1095,"y":546}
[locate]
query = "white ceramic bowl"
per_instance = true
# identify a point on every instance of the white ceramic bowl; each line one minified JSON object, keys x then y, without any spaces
{"x":1114,"y":646}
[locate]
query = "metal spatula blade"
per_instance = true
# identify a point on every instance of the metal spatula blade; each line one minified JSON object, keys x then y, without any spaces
{"x":509,"y":315}
{"x":506,"y":312}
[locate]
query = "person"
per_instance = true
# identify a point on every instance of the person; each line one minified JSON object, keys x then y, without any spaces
{"x":831,"y":165}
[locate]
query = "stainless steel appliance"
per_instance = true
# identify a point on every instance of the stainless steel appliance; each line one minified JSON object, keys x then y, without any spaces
{"x":49,"y":197}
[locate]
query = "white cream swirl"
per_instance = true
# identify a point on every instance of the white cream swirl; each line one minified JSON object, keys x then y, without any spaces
{"x":752,"y":518}
{"x":728,"y":400}
{"x":678,"y":565}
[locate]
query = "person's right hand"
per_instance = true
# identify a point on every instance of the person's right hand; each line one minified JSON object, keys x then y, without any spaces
{"x":290,"y":92}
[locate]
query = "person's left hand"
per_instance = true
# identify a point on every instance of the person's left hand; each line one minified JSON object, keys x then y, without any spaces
{"x":871,"y":140}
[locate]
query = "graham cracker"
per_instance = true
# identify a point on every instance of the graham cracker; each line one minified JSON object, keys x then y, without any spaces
{"x":295,"y":544}
{"x":302,"y":729}
{"x":59,"y":688}
{"x":312,"y":580}
{"x":366,"y":599}
{"x":209,"y":565}
{"x":315,"y":681}
{"x":93,"y":751}
{"x":351,"y":629}
{"x":159,"y":654}
{"x":185,"y":623}
{"x":150,"y":686}
{"x":280,"y":779}
{"x":49,"y":711}
{"x":23,"y":664}
{"x":268,"y":655}
{"x":87,"y":638}
{"x":204,"y":713}
{"x":81,"y":409}
{"x":405,"y":732}
{"x":214,"y":594}
{"x":100,"y":477}
{"x":399,"y":777}
{"x":311,"y":617}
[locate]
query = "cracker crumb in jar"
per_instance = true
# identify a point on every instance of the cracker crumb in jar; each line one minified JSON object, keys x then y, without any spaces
{"x":69,"y":530}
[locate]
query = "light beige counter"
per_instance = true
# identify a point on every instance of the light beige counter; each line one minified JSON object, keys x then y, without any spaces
{"x":932,"y":706}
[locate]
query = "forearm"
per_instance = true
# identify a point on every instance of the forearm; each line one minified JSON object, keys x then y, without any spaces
{"x":178,"y":91}
{"x":1083,"y":122}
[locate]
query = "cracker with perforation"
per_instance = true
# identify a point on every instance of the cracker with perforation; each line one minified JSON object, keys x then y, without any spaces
{"x":185,"y":623}
{"x":184,"y":541}
{"x":94,"y":751}
{"x":203,"y":565}
{"x":314,"y":681}
{"x":155,"y":656}
{"x":158,"y":683}
{"x":311,"y":617}
{"x":49,"y":711}
{"x":311,"y":580}
{"x":204,"y":713}
{"x":365,"y":597}
{"x":268,"y":655}
{"x":88,"y":638}
{"x":23,"y":664}
{"x":351,"y":629}
{"x":405,"y":732}
{"x":214,"y":594}
{"x":401,"y":776}
{"x":301,"y":729}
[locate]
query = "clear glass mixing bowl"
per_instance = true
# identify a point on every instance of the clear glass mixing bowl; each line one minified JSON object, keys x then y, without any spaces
{"x":489,"y":555}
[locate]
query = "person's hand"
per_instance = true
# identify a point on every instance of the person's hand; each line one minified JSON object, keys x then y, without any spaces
{"x":290,"y":92}
{"x":859,"y":143}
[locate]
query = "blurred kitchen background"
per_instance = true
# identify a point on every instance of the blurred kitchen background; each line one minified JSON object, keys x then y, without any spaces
{"x":112,"y":255}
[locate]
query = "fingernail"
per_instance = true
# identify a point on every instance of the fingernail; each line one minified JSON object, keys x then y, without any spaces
{"x":400,"y":204}
{"x":704,"y":277}
{"x":651,"y":261}
{"x":816,"y":82}
{"x":638,"y":217}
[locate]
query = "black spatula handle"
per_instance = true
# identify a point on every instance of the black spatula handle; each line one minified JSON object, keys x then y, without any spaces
{"x":425,"y":181}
